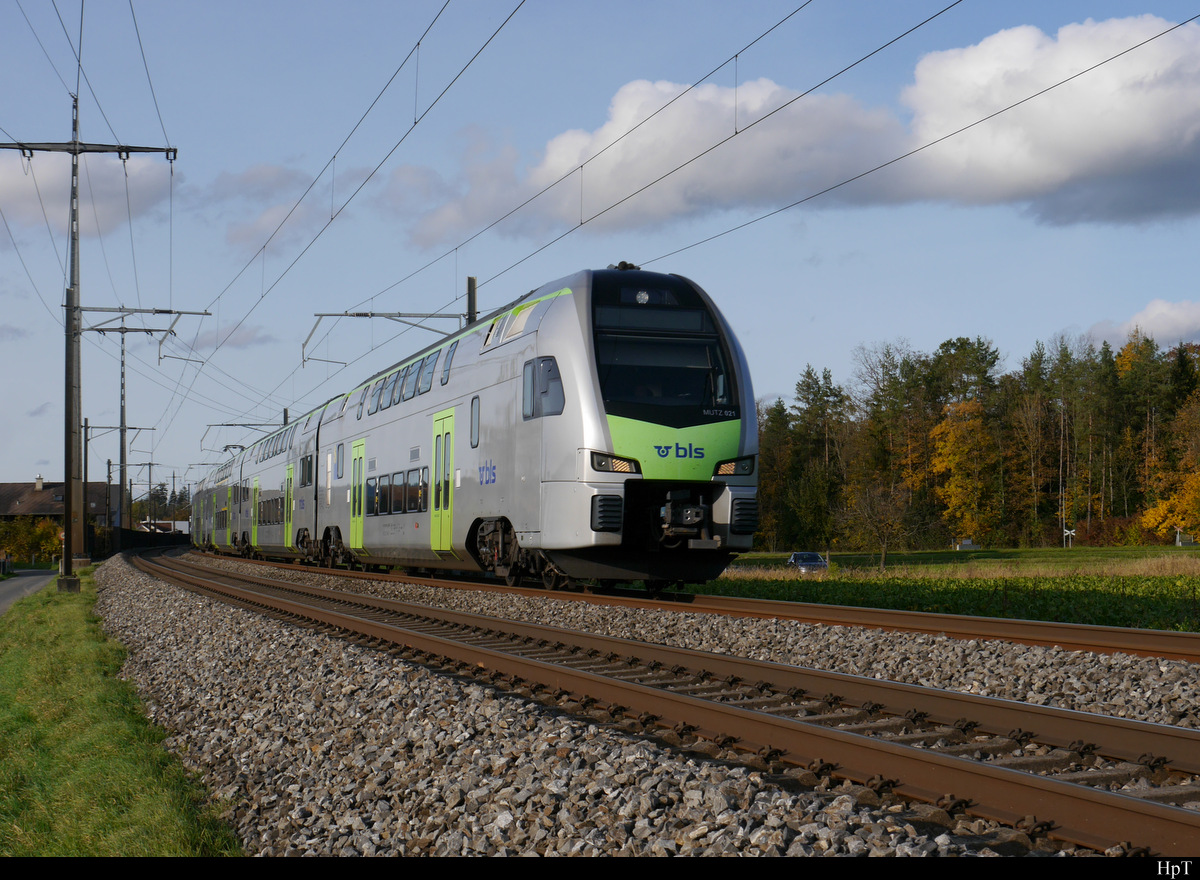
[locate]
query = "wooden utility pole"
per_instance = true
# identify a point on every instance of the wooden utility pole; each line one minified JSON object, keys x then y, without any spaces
{"x":73,"y":521}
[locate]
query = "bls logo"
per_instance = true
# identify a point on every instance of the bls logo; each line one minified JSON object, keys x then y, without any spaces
{"x":487,"y":473}
{"x":681,"y":451}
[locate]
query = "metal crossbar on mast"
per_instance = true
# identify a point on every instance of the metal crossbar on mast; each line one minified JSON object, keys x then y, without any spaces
{"x":73,"y":520}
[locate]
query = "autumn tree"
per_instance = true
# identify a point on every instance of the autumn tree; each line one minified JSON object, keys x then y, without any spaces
{"x":965,"y":453}
{"x":1178,"y":506}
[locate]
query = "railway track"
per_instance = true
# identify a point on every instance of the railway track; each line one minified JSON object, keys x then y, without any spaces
{"x":967,"y":753}
{"x":1070,"y":636}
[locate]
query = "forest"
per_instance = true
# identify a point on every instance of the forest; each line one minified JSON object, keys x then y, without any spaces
{"x":926,"y":450}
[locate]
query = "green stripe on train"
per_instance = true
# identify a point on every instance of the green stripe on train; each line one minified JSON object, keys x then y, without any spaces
{"x":675,"y":453}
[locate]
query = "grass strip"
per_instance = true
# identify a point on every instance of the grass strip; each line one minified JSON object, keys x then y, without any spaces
{"x":82,"y":772}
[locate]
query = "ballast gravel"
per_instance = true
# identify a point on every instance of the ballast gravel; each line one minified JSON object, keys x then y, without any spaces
{"x":316,"y":746}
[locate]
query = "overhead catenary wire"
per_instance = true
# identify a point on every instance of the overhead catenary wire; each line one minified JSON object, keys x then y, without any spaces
{"x":42,"y":46}
{"x":633,"y":128}
{"x":28,"y":274}
{"x":350,"y":198}
{"x":727,"y":139}
{"x":590,"y":159}
{"x":149,"y":80}
{"x":926,"y":145}
{"x":77,"y":52}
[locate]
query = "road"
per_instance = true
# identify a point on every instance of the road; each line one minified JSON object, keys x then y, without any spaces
{"x":25,"y":583}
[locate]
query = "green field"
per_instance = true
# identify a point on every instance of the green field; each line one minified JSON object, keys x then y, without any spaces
{"x":1145,"y":587}
{"x":82,"y":773}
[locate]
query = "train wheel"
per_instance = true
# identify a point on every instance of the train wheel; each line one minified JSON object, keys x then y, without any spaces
{"x":512,"y":577}
{"x":553,"y":579}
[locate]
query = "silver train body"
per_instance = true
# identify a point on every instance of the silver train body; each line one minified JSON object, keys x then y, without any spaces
{"x":602,"y":427}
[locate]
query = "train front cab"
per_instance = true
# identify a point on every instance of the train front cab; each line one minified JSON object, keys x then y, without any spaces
{"x":667,"y":470}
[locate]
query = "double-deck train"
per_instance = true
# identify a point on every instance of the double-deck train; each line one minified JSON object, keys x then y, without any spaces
{"x":600,"y":428}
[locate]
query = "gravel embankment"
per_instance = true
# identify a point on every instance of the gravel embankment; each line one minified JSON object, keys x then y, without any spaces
{"x":321,"y":747}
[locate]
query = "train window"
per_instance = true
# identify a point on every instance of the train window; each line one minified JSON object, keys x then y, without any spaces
{"x":341,"y":454}
{"x":372,"y":498}
{"x":449,"y":358}
{"x":385,"y":398}
{"x":410,"y":381}
{"x":550,"y":387}
{"x":375,"y":398}
{"x":542,"y":392}
{"x":517,"y":323}
{"x":362,"y":398}
{"x":306,"y":470}
{"x":423,"y":495}
{"x":397,"y":503}
{"x":437,"y":469}
{"x":474,"y":422}
{"x":528,"y":396}
{"x":412,"y":491}
{"x":399,"y":386}
{"x":429,"y":365}
{"x":384,"y":496}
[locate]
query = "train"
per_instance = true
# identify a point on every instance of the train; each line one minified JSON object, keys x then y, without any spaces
{"x":600,"y":429}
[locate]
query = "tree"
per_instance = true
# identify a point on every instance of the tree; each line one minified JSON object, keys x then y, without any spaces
{"x":967,"y":455}
{"x":28,"y":538}
{"x":1179,"y":504}
{"x":879,"y":510}
{"x":776,"y":524}
{"x":820,"y":417}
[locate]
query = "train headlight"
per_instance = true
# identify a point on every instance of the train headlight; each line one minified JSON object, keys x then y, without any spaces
{"x":612,"y":464}
{"x":735,"y":467}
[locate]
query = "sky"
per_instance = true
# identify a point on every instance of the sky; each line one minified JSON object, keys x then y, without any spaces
{"x":836,"y":175}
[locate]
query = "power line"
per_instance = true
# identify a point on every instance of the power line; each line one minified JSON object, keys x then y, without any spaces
{"x":66,"y":88}
{"x":146,"y":65}
{"x":721,"y":142}
{"x":923,"y":147}
{"x":590,"y":159}
{"x":354,"y":194}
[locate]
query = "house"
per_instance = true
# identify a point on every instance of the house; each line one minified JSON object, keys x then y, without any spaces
{"x":42,"y":498}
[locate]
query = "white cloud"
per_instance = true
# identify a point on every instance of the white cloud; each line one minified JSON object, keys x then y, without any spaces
{"x":1166,"y":322}
{"x":1119,"y":144}
{"x":262,"y":198}
{"x":104,"y":182}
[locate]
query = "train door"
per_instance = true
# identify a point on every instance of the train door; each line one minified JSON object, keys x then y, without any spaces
{"x":254,"y":515}
{"x":442,"y":529}
{"x":357,"y":476}
{"x":288,"y":538}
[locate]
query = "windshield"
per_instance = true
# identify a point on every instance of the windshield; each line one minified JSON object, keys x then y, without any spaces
{"x":659,"y":353}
